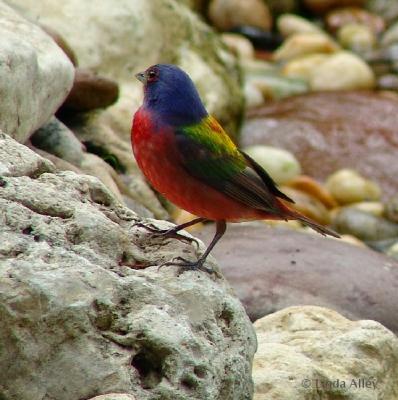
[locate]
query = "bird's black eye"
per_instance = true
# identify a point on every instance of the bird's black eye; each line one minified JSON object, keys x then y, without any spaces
{"x":152,"y":75}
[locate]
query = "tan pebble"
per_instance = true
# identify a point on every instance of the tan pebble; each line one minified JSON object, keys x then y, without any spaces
{"x":303,"y":67}
{"x":313,"y":188}
{"x":347,"y":186}
{"x":307,"y":205}
{"x":289,"y":24}
{"x":301,"y":44}
{"x":342,"y":71}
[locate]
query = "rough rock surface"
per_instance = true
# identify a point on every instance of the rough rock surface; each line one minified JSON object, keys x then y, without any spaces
{"x":301,"y":268}
{"x":35,"y":75}
{"x":82,"y":312}
{"x":329,"y":131}
{"x":315,"y":353}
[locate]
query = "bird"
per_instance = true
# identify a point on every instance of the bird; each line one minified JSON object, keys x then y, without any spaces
{"x":188,"y":157}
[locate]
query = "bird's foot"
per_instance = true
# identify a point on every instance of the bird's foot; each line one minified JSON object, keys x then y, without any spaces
{"x":171,"y":233}
{"x":186,"y":265}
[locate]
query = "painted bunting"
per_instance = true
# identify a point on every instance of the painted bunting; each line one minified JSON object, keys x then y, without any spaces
{"x":187,"y":156}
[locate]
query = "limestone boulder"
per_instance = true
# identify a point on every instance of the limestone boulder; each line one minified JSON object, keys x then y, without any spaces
{"x":311,"y":353}
{"x":85,"y":310}
{"x":35,"y":75}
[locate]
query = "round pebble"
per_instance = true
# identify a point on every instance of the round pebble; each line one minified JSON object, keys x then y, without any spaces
{"x":356,"y":37}
{"x":347,"y":186}
{"x":300,"y":44}
{"x":303,"y":67}
{"x":289,"y":24}
{"x":342,"y":71}
{"x":363,"y":225}
{"x":228,"y":14}
{"x":280,"y":164}
{"x":308,"y":205}
{"x":313,"y":188}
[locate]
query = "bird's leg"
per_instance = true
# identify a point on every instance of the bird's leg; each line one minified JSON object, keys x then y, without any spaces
{"x":172,"y":232}
{"x":198,"y":264}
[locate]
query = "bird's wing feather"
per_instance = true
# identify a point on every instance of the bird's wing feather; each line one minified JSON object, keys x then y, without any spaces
{"x":209,"y":155}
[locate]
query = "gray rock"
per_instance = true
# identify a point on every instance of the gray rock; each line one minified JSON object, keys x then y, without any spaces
{"x":16,"y":160}
{"x":35,"y":75}
{"x":363,"y":225}
{"x":55,"y":138}
{"x":83,"y":313}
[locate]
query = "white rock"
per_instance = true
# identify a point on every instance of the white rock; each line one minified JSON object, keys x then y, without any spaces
{"x":342,"y":71}
{"x":309,"y":352}
{"x":35,"y":75}
{"x":279,"y":163}
{"x":85,"y":310}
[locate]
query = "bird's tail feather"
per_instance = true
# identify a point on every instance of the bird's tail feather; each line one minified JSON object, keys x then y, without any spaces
{"x":312,"y":224}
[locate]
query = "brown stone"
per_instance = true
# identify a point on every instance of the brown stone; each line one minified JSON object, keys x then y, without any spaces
{"x":274,"y":268}
{"x":329,"y":131}
{"x":228,"y":14}
{"x":91,"y":91}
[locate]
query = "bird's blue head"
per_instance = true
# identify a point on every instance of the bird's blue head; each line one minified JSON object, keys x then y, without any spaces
{"x":170,"y":93}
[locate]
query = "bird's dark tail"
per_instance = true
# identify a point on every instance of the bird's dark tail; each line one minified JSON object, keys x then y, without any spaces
{"x":312,"y":224}
{"x":288,"y":213}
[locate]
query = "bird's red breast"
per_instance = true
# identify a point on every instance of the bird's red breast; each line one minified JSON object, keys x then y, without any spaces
{"x":157,"y":156}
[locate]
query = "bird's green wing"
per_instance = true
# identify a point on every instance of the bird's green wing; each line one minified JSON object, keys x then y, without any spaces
{"x":208,"y":154}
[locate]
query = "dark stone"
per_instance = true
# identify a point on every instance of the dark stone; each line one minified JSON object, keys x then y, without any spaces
{"x":91,"y":91}
{"x":260,"y":39}
{"x":327,"y":131}
{"x":274,"y":268}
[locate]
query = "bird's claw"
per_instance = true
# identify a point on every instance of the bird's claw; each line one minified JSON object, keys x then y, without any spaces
{"x":171,"y":233}
{"x":186,"y":265}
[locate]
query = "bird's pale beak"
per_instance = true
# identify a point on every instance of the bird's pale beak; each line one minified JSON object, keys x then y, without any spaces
{"x":141,"y":76}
